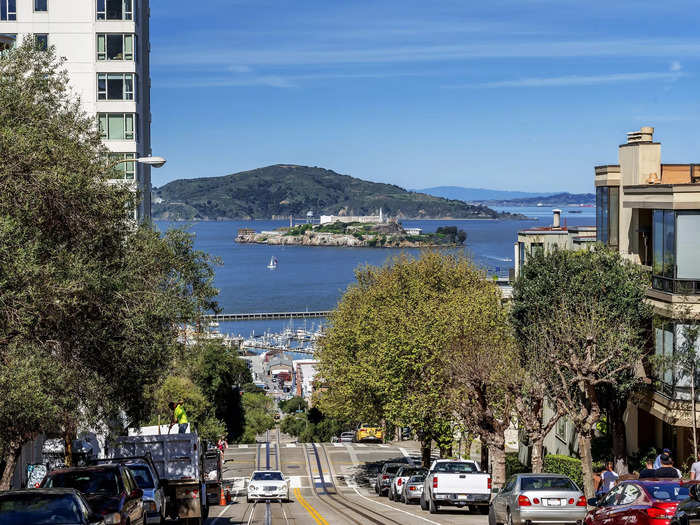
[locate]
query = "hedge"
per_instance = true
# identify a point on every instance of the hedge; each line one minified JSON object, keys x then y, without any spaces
{"x":513,"y":465}
{"x":557,"y":464}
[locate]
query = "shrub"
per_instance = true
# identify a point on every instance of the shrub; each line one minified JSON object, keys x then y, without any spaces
{"x":513,"y":465}
{"x":557,"y":464}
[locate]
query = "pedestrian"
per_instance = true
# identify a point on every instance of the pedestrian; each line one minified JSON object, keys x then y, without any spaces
{"x":667,"y":469}
{"x":608,"y":478}
{"x":648,"y":471}
{"x":179,"y":417}
{"x":657,"y":461}
{"x":695,"y":469}
{"x":597,"y":482}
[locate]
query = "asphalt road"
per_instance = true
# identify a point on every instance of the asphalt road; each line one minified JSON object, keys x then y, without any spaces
{"x":329,"y":485}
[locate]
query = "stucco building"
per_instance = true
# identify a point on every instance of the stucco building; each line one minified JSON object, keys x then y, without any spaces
{"x":106,"y":47}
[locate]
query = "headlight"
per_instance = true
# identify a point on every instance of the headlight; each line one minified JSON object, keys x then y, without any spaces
{"x":252,"y":487}
{"x":113,"y":518}
{"x":150,"y":506}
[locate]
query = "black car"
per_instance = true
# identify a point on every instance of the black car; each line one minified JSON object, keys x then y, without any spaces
{"x":111,"y":491}
{"x":688,"y":511}
{"x":46,"y":507}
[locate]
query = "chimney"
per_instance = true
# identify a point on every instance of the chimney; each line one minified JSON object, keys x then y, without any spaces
{"x":646,"y":134}
{"x":556,"y":220}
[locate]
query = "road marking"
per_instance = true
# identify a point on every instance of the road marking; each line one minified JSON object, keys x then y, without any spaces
{"x":222,"y":512}
{"x":337,"y":444}
{"x":406,"y":455}
{"x":312,"y":511}
{"x":242,"y":446}
{"x":383,"y":446}
{"x":361,"y":444}
{"x":291,"y":445}
{"x":354,"y":487}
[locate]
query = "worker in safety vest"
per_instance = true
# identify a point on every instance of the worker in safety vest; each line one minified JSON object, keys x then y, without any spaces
{"x":179,"y":417}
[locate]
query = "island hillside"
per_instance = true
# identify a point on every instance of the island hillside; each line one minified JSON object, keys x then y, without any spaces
{"x":389,"y":234}
{"x":282,"y":190}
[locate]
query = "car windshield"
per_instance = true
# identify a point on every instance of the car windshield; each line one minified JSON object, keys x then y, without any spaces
{"x":456,"y":467}
{"x":417,"y":479}
{"x":39,"y":509}
{"x":347,"y":434}
{"x":546,"y":483}
{"x":267,"y":476}
{"x":667,"y":491}
{"x":391,"y":469}
{"x":142,"y":475}
{"x":407,"y":472}
{"x":86,"y":481}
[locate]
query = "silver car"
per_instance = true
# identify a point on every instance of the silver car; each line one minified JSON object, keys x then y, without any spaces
{"x":412,"y":489}
{"x":538,"y":498}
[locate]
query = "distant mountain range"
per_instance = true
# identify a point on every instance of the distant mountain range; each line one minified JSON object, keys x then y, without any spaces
{"x":477,"y":194}
{"x":509,"y":198}
{"x":282,"y":190}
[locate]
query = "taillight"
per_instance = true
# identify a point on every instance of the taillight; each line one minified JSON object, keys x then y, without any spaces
{"x":399,"y":482}
{"x":660,"y":511}
{"x":581,"y":502}
{"x":411,"y":488}
{"x":523,"y":501}
{"x":384,"y":476}
{"x":488,"y":483}
{"x":435,"y":482}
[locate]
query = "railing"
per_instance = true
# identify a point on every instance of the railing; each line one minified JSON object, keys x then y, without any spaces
{"x":267,"y":315}
{"x":678,"y":286}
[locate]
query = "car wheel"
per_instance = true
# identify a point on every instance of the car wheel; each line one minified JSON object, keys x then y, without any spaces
{"x":432,"y":508}
{"x":391,"y":495}
{"x":484,"y":510}
{"x":492,"y":516}
{"x":422,"y":503}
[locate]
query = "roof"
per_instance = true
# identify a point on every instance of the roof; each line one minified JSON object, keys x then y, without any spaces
{"x":91,"y":468}
{"x":53,"y":491}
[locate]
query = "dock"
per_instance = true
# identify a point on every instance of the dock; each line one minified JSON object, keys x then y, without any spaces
{"x":256,"y":316}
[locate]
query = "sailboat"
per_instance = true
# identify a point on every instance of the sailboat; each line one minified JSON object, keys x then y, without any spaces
{"x":273,"y":263}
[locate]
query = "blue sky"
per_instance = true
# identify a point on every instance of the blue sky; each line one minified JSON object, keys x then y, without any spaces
{"x":522,"y":94}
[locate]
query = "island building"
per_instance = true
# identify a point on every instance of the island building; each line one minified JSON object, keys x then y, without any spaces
{"x":374,"y":219}
{"x":106,"y":48}
{"x":650,"y":213}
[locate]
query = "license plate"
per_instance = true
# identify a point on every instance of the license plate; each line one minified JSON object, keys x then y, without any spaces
{"x":462,"y":496}
{"x":554,"y":502}
{"x":270,"y":489}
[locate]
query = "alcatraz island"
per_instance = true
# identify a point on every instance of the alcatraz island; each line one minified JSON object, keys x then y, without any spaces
{"x":374,"y":231}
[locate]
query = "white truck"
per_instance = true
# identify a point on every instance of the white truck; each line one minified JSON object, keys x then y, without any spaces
{"x":457,"y":483}
{"x":178,"y":460}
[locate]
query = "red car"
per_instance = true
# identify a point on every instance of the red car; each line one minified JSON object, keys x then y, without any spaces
{"x":638,"y":501}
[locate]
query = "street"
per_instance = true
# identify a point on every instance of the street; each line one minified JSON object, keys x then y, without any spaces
{"x":329,"y":484}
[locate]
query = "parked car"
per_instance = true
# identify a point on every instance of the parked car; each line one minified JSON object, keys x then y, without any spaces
{"x":688,"y":511}
{"x":385,"y":477}
{"x":366,"y":432}
{"x":639,"y":501}
{"x":401,"y":477}
{"x":456,"y":483}
{"x":268,"y":484}
{"x":538,"y":498}
{"x":147,"y":479}
{"x":413,"y":488}
{"x":347,"y":437}
{"x":111,"y":491}
{"x":64,"y":506}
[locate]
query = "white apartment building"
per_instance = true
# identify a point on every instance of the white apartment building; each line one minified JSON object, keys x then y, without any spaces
{"x":106,"y":47}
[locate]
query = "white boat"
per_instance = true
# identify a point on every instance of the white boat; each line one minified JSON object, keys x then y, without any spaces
{"x":273,"y":263}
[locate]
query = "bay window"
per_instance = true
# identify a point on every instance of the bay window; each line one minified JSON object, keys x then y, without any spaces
{"x":115,"y":46}
{"x":676,"y":251}
{"x":117,"y":126}
{"x":115,"y":86}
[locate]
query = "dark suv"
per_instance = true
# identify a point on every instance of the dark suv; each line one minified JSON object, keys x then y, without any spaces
{"x":110,"y":490}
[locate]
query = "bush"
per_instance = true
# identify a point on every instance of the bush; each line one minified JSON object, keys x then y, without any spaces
{"x":557,"y":464}
{"x":513,"y":465}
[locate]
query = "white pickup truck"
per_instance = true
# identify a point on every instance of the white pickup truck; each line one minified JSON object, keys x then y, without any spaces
{"x":456,"y":483}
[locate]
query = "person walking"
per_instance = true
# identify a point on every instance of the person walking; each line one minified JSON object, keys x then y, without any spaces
{"x":657,"y":461}
{"x":608,"y":478}
{"x":179,"y":417}
{"x":695,"y":469}
{"x":649,"y":471}
{"x":667,"y":469}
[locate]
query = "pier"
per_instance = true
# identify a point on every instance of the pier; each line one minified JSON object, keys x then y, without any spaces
{"x":256,"y":316}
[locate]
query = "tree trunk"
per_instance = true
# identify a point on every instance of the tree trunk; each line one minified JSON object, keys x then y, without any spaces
{"x":537,"y":455}
{"x":68,"y":449}
{"x":425,"y":445}
{"x":445,"y":451}
{"x":584,"y":448}
{"x":10,"y":462}
{"x":619,"y":437}
{"x":498,"y":465}
{"x":484,"y":457}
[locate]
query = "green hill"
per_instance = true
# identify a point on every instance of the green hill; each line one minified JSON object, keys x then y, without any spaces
{"x":282,"y":190}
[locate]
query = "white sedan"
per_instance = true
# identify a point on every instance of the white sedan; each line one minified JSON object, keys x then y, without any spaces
{"x":268,"y":484}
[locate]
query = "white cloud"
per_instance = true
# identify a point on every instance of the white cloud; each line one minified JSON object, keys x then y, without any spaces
{"x":573,"y":80}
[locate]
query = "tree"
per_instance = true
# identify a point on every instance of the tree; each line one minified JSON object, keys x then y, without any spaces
{"x":584,"y":314}
{"x":87,"y":297}
{"x":386,"y":354}
{"x":293,"y":405}
{"x":258,"y":414}
{"x":687,"y":350}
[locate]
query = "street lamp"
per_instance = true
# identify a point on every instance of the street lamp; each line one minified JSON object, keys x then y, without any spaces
{"x":156,"y":162}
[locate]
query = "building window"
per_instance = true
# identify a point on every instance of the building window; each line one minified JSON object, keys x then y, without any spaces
{"x":115,"y":9}
{"x":608,"y":215}
{"x":536,"y":248}
{"x":117,"y":126}
{"x":8,"y":10}
{"x":115,"y":86}
{"x":42,"y":41}
{"x":127,"y":170}
{"x":41,"y":5}
{"x":521,"y":251}
{"x":560,"y":429}
{"x":115,"y":47}
{"x":663,"y":342}
{"x":676,"y":251}
{"x":7,"y":42}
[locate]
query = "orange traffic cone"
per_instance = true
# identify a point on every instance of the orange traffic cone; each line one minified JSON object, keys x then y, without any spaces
{"x":222,"y":498}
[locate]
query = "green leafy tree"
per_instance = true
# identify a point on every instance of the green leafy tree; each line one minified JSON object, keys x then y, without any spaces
{"x":87,"y":297}
{"x":584,"y":314}
{"x":687,"y":356}
{"x":293,"y":405}
{"x":258,"y":415}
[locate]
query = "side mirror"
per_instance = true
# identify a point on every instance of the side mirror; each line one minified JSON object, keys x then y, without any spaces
{"x":593,"y":502}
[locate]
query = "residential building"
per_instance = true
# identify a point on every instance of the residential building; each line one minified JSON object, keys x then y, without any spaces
{"x":304,"y":374}
{"x":548,"y":238}
{"x":106,"y":48}
{"x":650,"y":212}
